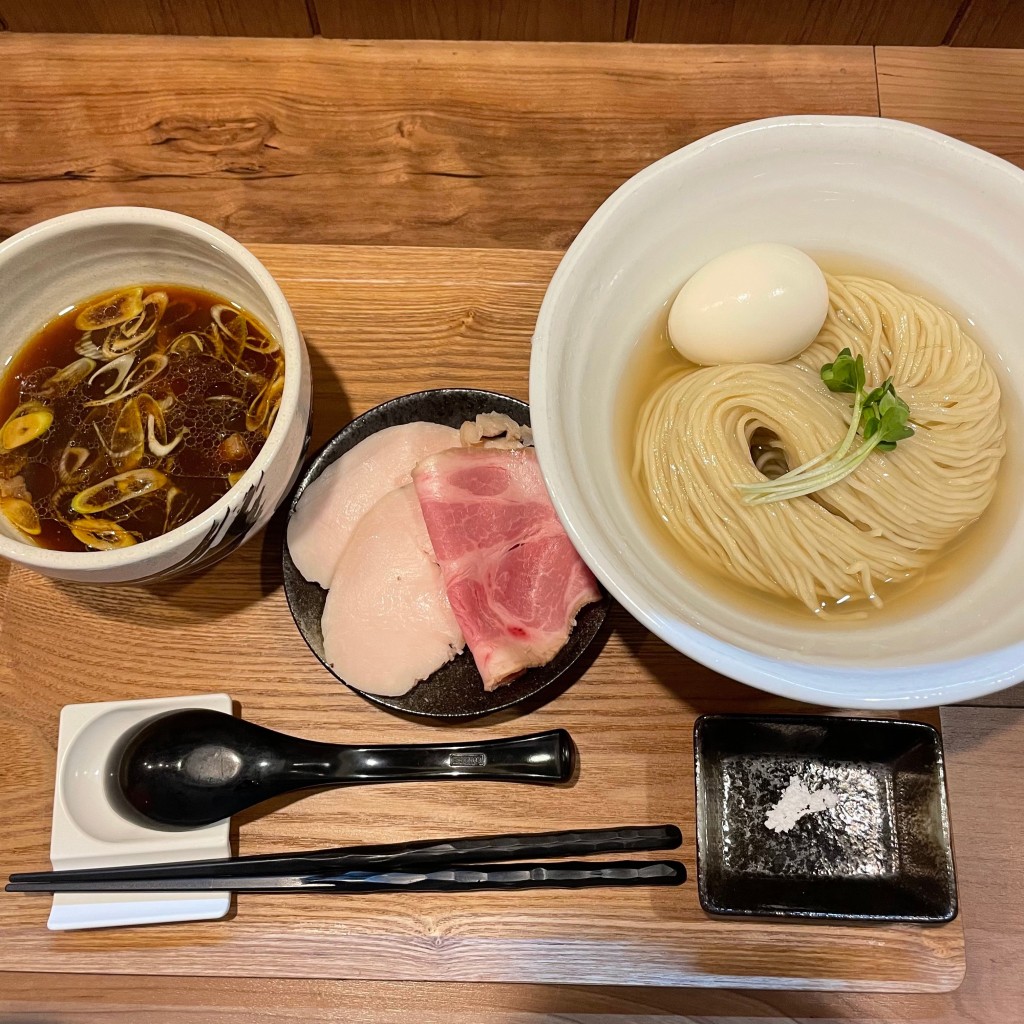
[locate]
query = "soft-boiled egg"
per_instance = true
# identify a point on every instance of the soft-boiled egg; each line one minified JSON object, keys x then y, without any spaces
{"x":761,"y":303}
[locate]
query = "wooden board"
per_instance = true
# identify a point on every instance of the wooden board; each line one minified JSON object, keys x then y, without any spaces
{"x":595,"y":21}
{"x":861,"y":22}
{"x":147,"y":17}
{"x":987,"y":829}
{"x":974,"y":95}
{"x":375,"y":320}
{"x":982,"y":749}
{"x":990,"y":23}
{"x":478,"y":144}
{"x":987,"y":810}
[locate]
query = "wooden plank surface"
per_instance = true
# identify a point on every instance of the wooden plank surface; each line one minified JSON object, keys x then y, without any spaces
{"x":980,"y":746}
{"x":146,"y":17}
{"x":836,"y":22}
{"x":381,"y":323}
{"x":479,"y":144}
{"x":990,"y":23}
{"x":588,"y":21}
{"x":1009,"y":698}
{"x":975,"y":95}
{"x":846,"y":22}
{"x":987,"y":809}
{"x":998,"y":23}
{"x":983,"y":93}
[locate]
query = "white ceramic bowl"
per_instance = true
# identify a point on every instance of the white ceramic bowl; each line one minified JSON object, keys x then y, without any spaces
{"x":65,"y":260}
{"x":943,"y":215}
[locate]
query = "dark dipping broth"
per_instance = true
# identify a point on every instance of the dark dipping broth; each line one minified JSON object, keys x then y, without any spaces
{"x":132,"y":412}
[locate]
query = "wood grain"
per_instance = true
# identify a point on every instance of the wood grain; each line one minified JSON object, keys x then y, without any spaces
{"x":147,"y":17}
{"x":1011,"y":698}
{"x":982,"y":93}
{"x":987,"y":810}
{"x":991,"y":23}
{"x":93,"y":999}
{"x":472,"y":144}
{"x":374,"y":320}
{"x":981,"y":746}
{"x":844,"y":22}
{"x":974,"y":95}
{"x":588,"y":21}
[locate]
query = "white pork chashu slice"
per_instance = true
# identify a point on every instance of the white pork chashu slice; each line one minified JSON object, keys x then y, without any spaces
{"x":332,"y":505}
{"x":387,"y":623}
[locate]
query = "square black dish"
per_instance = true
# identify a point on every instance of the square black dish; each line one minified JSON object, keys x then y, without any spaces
{"x":880,"y":852}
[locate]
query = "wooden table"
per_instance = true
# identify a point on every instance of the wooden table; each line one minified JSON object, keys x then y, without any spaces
{"x":506,"y":147}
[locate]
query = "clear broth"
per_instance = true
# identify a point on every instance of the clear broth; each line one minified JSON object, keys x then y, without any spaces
{"x":654,"y":360}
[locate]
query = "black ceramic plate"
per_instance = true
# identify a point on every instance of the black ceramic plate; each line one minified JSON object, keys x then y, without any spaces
{"x":882,"y":853}
{"x":455,"y":690}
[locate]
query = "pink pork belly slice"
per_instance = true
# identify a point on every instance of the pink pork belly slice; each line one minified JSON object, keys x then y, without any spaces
{"x":332,"y":505}
{"x":387,"y":622}
{"x":514,"y":580}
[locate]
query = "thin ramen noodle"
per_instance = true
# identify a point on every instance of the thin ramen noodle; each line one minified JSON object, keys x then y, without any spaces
{"x":704,"y":430}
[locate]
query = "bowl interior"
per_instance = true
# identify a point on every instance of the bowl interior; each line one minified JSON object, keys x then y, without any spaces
{"x":936,"y":215}
{"x":47,"y":269}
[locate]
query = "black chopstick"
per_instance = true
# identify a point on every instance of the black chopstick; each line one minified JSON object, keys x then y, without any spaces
{"x":577,"y":843}
{"x":464,"y":878}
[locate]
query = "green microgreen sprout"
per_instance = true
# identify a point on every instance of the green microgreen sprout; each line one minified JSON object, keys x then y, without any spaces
{"x":881,"y":416}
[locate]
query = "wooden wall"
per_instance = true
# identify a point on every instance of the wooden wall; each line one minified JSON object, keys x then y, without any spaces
{"x":997,"y":23}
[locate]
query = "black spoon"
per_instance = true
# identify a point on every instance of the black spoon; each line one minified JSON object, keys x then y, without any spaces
{"x":186,"y":769}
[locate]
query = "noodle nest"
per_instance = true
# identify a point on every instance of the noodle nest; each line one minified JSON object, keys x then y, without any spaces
{"x":887,"y":520}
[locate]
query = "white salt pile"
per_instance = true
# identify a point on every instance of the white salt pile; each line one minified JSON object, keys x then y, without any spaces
{"x":796,"y":802}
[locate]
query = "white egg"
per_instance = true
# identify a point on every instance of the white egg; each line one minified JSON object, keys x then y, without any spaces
{"x":761,"y":303}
